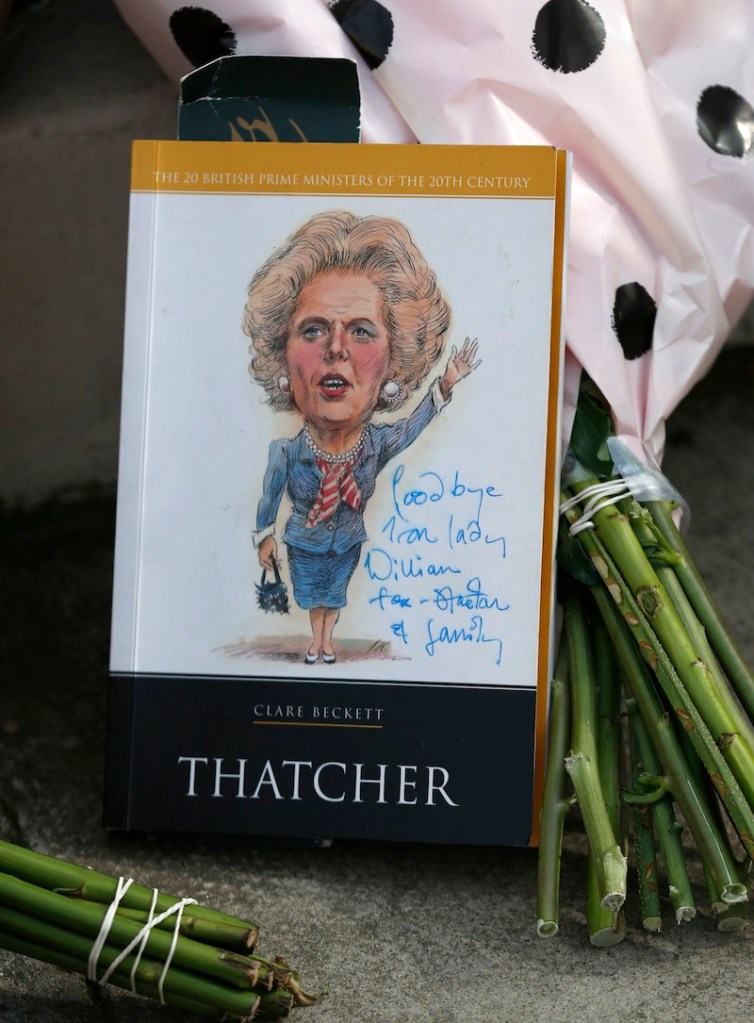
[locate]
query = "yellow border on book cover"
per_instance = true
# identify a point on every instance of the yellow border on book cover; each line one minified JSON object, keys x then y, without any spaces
{"x":552,"y":492}
{"x":525,"y":172}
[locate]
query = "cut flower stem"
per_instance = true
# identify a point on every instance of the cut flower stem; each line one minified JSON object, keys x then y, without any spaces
{"x":733,"y":663}
{"x":582,"y":762}
{"x":605,"y":927}
{"x":555,"y":799}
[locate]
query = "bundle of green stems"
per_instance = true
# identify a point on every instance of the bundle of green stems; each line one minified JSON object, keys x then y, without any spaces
{"x":192,"y":958}
{"x":650,"y":721}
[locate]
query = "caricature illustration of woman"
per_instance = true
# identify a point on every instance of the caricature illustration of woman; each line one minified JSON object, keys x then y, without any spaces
{"x":345,"y":320}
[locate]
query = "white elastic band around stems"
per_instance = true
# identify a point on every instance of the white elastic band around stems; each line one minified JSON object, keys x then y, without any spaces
{"x":145,"y":932}
{"x":597,"y":497}
{"x":141,"y":938}
{"x":99,"y":942}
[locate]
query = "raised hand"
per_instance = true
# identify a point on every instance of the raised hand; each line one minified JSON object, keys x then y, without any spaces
{"x":460,"y":364}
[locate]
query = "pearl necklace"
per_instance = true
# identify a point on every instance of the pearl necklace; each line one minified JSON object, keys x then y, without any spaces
{"x":347,"y":456}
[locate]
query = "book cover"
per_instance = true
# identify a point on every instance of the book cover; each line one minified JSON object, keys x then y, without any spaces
{"x":334,"y":569}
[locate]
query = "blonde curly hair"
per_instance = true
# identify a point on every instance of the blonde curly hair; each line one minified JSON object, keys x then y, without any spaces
{"x":416,"y":314}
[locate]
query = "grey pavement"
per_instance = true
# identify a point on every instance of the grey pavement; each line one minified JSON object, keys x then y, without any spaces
{"x":397,"y":934}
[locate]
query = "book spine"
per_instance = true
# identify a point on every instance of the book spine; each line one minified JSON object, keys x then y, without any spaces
{"x":120,"y":722}
{"x":138,"y":334}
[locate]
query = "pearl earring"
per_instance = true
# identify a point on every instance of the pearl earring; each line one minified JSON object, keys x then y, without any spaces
{"x":284,"y":384}
{"x":391,"y":391}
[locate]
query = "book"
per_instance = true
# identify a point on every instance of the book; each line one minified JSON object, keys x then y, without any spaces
{"x":256,"y":98}
{"x":333,"y":598}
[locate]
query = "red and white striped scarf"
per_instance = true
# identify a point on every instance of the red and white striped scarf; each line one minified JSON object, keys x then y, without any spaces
{"x":337,"y":484}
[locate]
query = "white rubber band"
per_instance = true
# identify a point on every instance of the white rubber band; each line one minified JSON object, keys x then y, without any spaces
{"x":597,"y":490}
{"x":107,"y":922}
{"x":181,"y":906}
{"x":141,"y":938}
{"x":144,"y":940}
{"x":598,"y":496}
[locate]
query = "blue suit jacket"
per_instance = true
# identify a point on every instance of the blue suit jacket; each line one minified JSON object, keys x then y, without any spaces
{"x":292,"y":466}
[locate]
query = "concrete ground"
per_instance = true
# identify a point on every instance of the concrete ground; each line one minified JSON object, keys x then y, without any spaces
{"x":416,"y":934}
{"x":396,"y":933}
{"x":76,"y":87}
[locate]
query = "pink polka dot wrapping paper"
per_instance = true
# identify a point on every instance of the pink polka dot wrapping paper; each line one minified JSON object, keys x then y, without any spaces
{"x":655,"y":102}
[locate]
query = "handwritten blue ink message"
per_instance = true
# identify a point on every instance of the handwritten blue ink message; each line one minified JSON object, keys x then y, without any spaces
{"x":435,"y":570}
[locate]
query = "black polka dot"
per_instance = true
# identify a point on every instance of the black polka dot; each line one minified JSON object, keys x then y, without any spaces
{"x":569,"y":35}
{"x":725,"y":121}
{"x":201,"y":35}
{"x":368,"y":25}
{"x":634,"y":313}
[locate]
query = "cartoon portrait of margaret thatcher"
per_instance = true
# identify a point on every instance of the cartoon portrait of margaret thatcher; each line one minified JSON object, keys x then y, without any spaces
{"x":346,"y":320}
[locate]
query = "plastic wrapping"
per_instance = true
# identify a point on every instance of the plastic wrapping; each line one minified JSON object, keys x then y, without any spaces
{"x":654,"y":101}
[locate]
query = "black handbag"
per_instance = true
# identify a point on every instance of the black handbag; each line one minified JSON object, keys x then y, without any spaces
{"x":272,"y":596}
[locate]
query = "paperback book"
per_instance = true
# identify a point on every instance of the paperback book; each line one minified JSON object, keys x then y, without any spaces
{"x":333,"y":596}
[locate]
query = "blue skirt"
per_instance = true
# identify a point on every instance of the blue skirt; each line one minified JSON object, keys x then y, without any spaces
{"x":321,"y":580}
